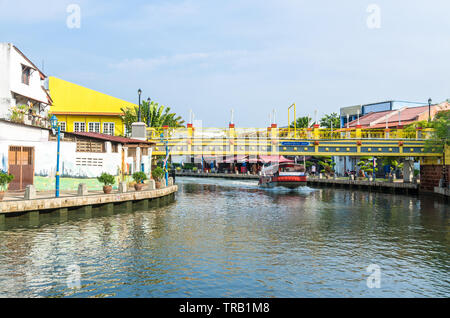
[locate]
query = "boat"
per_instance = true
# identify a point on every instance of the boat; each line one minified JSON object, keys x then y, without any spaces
{"x":288,"y":175}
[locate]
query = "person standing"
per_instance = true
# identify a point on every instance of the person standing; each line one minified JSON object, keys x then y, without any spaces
{"x":313,"y":170}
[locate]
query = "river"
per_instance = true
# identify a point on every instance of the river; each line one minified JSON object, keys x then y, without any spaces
{"x":225,"y":238}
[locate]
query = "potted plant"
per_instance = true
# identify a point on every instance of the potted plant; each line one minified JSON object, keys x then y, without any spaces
{"x":158,"y":175}
{"x":5,"y":179}
{"x":108,"y":180}
{"x":139,"y":176}
{"x":194,"y":169}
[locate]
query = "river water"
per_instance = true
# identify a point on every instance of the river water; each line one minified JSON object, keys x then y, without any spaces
{"x":226,"y":238}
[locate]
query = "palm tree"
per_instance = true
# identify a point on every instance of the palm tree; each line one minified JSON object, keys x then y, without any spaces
{"x":302,"y":122}
{"x":159,"y":116}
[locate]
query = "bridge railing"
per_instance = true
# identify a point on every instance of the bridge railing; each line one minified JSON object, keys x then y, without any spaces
{"x":288,"y":133}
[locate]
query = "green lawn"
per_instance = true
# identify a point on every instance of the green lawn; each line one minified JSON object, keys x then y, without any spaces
{"x":48,"y":183}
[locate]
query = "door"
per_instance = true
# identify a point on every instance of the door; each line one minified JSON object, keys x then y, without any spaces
{"x":21,"y":165}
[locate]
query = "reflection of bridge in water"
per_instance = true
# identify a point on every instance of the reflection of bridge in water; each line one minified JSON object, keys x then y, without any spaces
{"x":289,"y":141}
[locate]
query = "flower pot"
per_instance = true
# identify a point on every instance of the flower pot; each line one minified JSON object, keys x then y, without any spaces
{"x":107,"y":189}
{"x":158,"y":184}
{"x":2,"y":194}
{"x":138,"y":186}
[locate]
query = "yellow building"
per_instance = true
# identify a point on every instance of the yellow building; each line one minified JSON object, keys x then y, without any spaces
{"x":82,"y":109}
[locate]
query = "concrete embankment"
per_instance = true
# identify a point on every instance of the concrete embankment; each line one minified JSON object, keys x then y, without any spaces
{"x":87,"y":205}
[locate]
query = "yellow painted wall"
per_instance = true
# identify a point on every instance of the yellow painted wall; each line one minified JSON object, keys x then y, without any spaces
{"x":72,"y":98}
{"x":71,"y":119}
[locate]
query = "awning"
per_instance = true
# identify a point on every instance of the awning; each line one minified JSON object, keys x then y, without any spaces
{"x":235,"y":159}
{"x":273,"y":158}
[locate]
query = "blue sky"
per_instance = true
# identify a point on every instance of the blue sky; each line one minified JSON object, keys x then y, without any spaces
{"x":252,"y":56}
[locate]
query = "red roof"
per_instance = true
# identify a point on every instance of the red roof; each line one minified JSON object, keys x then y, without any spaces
{"x":122,"y":140}
{"x":407,"y":116}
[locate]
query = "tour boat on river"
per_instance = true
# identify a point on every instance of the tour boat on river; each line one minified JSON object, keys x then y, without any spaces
{"x":288,"y":175}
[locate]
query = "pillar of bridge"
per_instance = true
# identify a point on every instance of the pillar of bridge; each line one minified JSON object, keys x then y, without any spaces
{"x":418,"y":132}
{"x":399,"y":131}
{"x":274,"y":131}
{"x":231,"y":131}
{"x":408,"y":170}
{"x":358,"y":131}
{"x":316,"y":131}
{"x":310,"y":133}
{"x":190,"y":134}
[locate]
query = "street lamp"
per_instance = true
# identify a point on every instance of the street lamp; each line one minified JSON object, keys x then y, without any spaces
{"x":148,"y":112}
{"x":429,"y":109}
{"x":166,"y":173}
{"x":139,"y":112}
{"x":56,"y":128}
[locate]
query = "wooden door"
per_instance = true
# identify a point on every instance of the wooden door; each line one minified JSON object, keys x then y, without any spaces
{"x":21,"y":165}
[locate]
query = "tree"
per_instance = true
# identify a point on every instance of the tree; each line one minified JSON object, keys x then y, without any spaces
{"x":327,"y":165}
{"x":159,"y":116}
{"x":440,"y":138}
{"x":302,"y":122}
{"x":366,"y":164}
{"x":331,"y":120}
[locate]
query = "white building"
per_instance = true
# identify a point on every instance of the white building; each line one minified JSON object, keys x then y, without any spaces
{"x":27,"y":151}
{"x":22,"y":83}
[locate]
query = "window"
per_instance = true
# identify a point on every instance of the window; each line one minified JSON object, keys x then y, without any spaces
{"x":26,"y":73}
{"x":94,"y":127}
{"x":108,"y":128}
{"x":90,"y":146}
{"x":127,"y":132}
{"x":115,"y":148}
{"x":62,"y":124}
{"x":79,"y":126}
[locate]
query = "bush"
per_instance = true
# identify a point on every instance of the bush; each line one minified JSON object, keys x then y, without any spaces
{"x":157,"y":173}
{"x":139,"y":176}
{"x":178,"y":168}
{"x":5,"y":179}
{"x":107,"y":179}
{"x":195,"y":169}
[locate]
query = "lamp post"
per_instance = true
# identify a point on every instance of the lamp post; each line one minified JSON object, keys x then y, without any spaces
{"x":429,"y":109}
{"x":166,"y":173}
{"x":148,"y":112}
{"x":57,"y":128}
{"x":139,"y":112}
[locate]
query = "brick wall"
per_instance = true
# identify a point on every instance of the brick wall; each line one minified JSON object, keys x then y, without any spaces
{"x":430,"y":176}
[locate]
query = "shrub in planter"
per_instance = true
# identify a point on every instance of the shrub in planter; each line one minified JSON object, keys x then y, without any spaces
{"x":5,"y":179}
{"x":139,"y":176}
{"x":158,"y":175}
{"x":108,"y":180}
{"x":194,"y":169}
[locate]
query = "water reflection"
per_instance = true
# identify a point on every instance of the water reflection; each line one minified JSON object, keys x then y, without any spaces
{"x":230,"y":239}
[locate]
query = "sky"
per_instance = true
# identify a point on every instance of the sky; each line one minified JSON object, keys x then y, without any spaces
{"x":251,"y":56}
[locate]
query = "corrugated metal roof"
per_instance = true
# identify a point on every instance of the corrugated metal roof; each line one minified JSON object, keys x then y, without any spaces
{"x":106,"y":137}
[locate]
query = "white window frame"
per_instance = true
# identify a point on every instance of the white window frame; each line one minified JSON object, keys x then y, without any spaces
{"x":63,"y":126}
{"x":94,"y":124}
{"x":110,"y":127}
{"x":81,"y":124}
{"x":125,"y":130}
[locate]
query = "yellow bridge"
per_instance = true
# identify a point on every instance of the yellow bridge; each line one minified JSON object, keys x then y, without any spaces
{"x":290,"y":141}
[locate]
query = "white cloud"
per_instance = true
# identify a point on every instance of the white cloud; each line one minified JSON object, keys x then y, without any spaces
{"x":143,"y":64}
